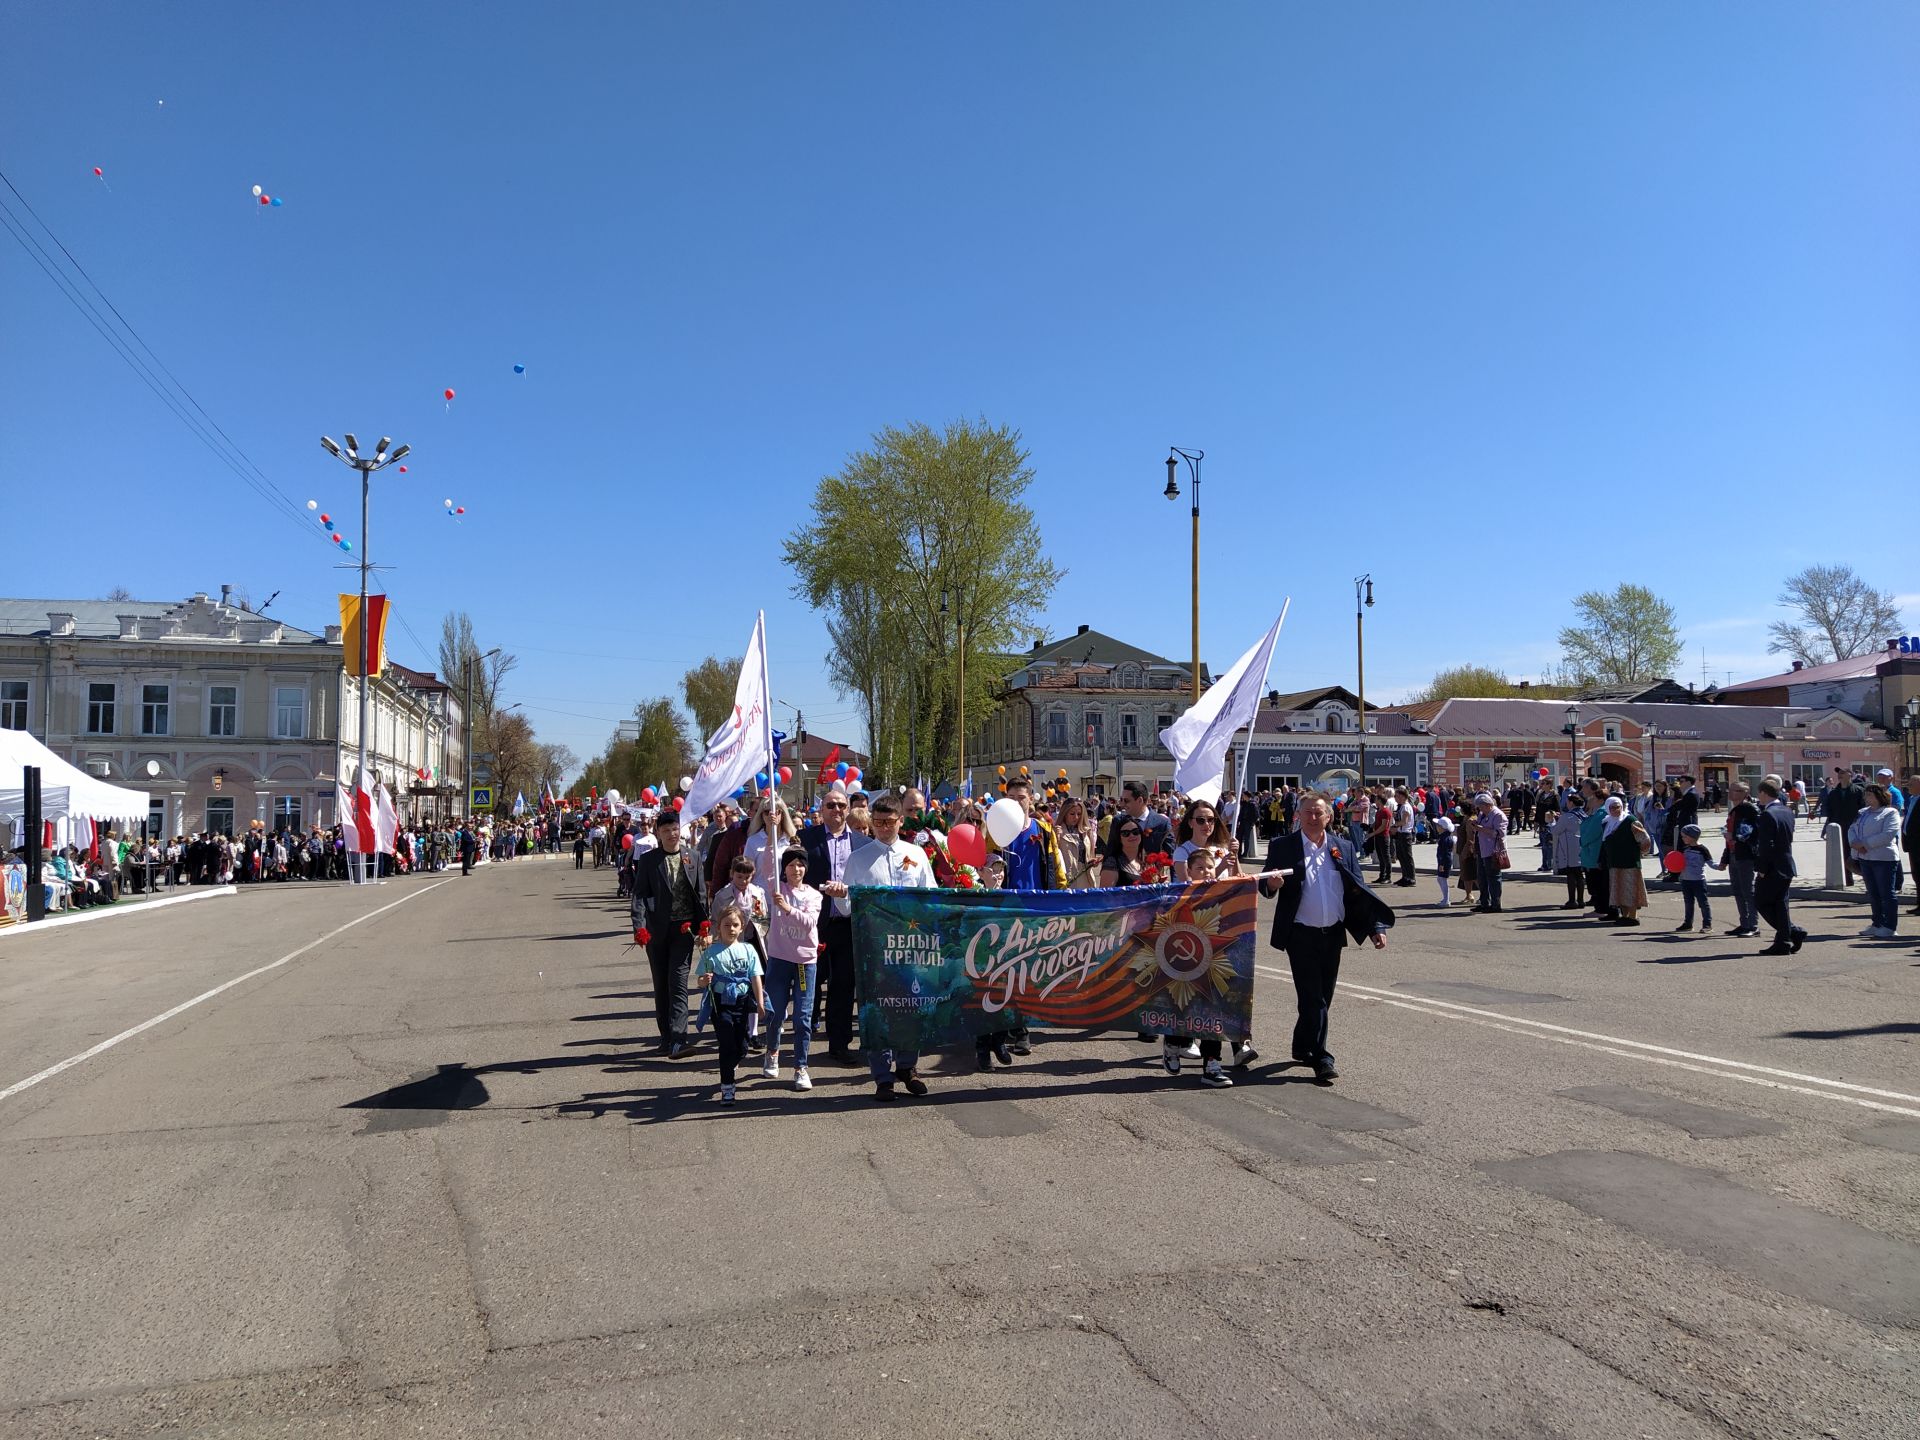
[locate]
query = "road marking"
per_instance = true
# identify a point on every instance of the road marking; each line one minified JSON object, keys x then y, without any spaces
{"x":166,"y":1015}
{"x":1635,"y":1049}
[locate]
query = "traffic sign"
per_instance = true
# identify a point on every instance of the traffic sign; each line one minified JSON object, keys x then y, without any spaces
{"x":480,"y":797}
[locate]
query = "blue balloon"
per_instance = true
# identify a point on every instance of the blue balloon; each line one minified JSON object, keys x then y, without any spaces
{"x":327,"y":523}
{"x":519,"y":369}
{"x":761,"y":779}
{"x":276,"y":200}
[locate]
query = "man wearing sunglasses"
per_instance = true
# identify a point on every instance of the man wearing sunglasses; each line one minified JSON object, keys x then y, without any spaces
{"x":888,"y":860}
{"x":831,"y":846}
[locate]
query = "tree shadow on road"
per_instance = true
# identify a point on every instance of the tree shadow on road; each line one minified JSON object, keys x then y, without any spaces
{"x":1892,"y":1027}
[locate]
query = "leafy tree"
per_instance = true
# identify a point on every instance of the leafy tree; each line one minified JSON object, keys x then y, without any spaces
{"x":1477,"y":682}
{"x":1626,"y":636}
{"x":708,"y":690}
{"x":917,"y":541}
{"x":516,"y":756}
{"x":1840,"y":616}
{"x":556,"y":763}
{"x":660,"y":752}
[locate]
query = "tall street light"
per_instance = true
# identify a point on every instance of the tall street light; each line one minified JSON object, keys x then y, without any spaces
{"x":960,"y":690}
{"x":466,"y":758}
{"x":1172,"y":492}
{"x":1362,"y":602}
{"x":366,"y":465}
{"x":1653,"y":744}
{"x":1572,"y":731}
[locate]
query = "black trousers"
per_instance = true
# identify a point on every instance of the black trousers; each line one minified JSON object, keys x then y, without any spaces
{"x":1770,"y":899}
{"x":1314,"y":956}
{"x":670,"y":957}
{"x":836,"y":968}
{"x":1403,"y":852}
{"x":1597,"y":891}
{"x":730,"y":1030}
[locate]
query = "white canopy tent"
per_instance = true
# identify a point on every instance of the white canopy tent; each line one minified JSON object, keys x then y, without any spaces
{"x":67,"y":793}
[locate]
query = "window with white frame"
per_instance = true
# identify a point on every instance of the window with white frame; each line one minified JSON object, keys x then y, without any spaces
{"x":1476,"y":772}
{"x":13,"y":704}
{"x":100,"y":698}
{"x":223,"y":710}
{"x":1610,"y":732}
{"x":289,"y":712}
{"x":1129,"y":729}
{"x":156,"y":710}
{"x":220,"y":814}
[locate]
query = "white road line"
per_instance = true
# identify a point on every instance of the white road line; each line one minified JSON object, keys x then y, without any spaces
{"x":1634,"y":1049}
{"x":166,"y":1015}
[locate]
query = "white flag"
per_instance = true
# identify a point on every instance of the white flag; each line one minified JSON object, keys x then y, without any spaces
{"x":386,"y":823}
{"x":743,"y":746}
{"x":1200,"y":737}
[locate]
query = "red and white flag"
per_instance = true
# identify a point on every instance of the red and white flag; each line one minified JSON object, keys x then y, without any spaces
{"x":386,"y":822}
{"x":355,"y":811}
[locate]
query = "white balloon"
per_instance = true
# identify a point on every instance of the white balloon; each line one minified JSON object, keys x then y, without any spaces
{"x":613,"y":796}
{"x":447,"y":503}
{"x":256,"y":192}
{"x":686,"y":783}
{"x":1005,"y":821}
{"x":313,"y":504}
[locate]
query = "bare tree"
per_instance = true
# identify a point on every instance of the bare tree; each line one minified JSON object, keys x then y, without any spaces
{"x":457,"y":646}
{"x":1841,"y":616}
{"x":119,"y":592}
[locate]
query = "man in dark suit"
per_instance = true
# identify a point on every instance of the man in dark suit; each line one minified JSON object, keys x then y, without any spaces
{"x":669,"y":905}
{"x":1683,"y":812}
{"x":1322,"y":900}
{"x":1841,"y":806}
{"x":1910,"y":836}
{"x":1774,"y":868}
{"x":829,"y":846}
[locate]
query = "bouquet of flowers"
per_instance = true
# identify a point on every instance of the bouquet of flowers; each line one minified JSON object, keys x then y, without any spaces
{"x":958,"y":877}
{"x":1158,"y":869}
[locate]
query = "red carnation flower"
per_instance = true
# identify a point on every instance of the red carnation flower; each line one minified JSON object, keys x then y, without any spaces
{"x":686,"y":927}
{"x":641,"y":935}
{"x":706,"y":928}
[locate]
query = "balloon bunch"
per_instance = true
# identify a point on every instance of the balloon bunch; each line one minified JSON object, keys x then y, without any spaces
{"x":454,"y":512}
{"x":849,"y":773}
{"x":258,"y":194}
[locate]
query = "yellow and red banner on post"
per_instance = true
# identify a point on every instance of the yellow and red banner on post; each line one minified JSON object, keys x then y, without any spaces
{"x":365,"y":652}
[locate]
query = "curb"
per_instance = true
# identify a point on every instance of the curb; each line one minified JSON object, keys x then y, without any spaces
{"x":139,"y":908}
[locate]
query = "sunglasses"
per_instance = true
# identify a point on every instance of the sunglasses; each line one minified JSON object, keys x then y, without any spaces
{"x":1125,"y":833}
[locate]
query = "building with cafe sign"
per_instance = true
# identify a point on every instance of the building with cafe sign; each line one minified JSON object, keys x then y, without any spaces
{"x":1312,"y":739}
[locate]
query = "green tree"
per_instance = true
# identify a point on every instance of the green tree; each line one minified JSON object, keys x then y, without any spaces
{"x":1625,"y":636}
{"x":659,"y":752}
{"x":1476,"y":682}
{"x":708,"y":690}
{"x":1840,"y":616}
{"x":917,"y":541}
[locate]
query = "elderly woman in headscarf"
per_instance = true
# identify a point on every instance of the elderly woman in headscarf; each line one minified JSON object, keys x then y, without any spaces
{"x":1622,"y":845}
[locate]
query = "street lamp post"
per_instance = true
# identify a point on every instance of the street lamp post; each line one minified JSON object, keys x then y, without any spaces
{"x":1572,"y":731}
{"x":466,"y":757}
{"x":960,"y":691}
{"x":1362,"y":586}
{"x":1910,"y":735}
{"x":1653,"y":746}
{"x":366,"y":465}
{"x":1172,"y":492}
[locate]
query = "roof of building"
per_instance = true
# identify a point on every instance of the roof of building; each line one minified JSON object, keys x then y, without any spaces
{"x":418,"y":679}
{"x":1307,"y":699}
{"x":1546,"y":719}
{"x":1090,"y":645}
{"x":1384,"y":724}
{"x":1646,"y":692}
{"x":1854,"y":668}
{"x":100,"y":619}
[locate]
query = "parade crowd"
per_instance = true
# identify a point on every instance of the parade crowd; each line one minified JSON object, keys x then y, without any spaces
{"x":743,"y":913}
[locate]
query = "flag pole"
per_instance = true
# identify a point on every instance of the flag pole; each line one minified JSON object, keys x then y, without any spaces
{"x":1246,"y":750}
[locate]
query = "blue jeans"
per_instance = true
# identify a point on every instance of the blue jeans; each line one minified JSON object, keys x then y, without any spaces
{"x":1694,"y":890}
{"x":1490,"y":874}
{"x":1879,"y":875}
{"x":1740,"y":872}
{"x":790,"y":986}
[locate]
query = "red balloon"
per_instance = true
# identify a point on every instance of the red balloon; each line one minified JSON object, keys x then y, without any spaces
{"x":786,"y":774}
{"x":96,"y":170}
{"x":677,"y":802}
{"x":449,"y":394}
{"x":967,"y":845}
{"x":1675,"y":862}
{"x":403,"y":469}
{"x":326,"y":519}
{"x":647,"y":796}
{"x":264,"y":199}
{"x":459,"y":509}
{"x":626,"y":842}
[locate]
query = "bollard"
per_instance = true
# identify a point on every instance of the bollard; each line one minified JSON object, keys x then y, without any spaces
{"x":1836,"y":838}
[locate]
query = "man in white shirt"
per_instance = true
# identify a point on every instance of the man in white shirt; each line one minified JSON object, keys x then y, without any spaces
{"x":1322,"y":900}
{"x":888,"y":860}
{"x":830,"y":848}
{"x":1403,"y":834}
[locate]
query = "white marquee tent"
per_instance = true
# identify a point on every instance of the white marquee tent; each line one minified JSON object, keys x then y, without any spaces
{"x":67,"y":793}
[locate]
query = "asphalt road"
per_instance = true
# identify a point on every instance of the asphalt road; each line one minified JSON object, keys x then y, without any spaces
{"x":426,"y":1178}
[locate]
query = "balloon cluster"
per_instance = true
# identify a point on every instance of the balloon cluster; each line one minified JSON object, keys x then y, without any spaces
{"x":332,"y":534}
{"x":454,"y":512}
{"x":258,"y":194}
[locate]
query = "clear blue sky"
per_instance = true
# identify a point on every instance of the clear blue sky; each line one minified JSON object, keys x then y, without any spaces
{"x":1438,"y":288}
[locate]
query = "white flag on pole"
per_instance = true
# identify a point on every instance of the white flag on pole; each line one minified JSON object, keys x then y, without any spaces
{"x":1200,"y":737}
{"x":386,"y":822}
{"x":743,"y":746}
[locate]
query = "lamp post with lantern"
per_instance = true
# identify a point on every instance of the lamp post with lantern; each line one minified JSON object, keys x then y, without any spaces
{"x":1572,"y":731}
{"x":1172,"y":492}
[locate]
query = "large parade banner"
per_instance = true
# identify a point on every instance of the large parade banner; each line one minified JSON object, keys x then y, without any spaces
{"x":938,"y":967}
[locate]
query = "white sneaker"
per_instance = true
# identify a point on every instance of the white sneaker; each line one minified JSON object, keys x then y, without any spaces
{"x":1212,"y":1074}
{"x":1192,"y":1052}
{"x":1872,"y":932}
{"x":802,"y":1080}
{"x":770,"y":1065}
{"x":1170,"y":1056}
{"x":1244,"y":1054}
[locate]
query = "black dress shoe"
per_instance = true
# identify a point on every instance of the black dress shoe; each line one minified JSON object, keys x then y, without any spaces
{"x":1777,"y":949}
{"x":1796,"y":937}
{"x":883,"y":1091}
{"x":1324,"y":1073}
{"x":1021,"y":1047}
{"x":1003,"y":1053}
{"x":916,"y":1087}
{"x":983,"y":1061}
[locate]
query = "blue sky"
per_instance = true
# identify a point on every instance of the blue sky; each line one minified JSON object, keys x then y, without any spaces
{"x":1499,"y":302}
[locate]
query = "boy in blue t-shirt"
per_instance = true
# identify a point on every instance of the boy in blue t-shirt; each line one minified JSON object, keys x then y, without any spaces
{"x":730,"y":970}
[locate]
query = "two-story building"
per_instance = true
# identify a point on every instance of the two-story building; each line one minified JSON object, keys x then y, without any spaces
{"x":221,"y":715}
{"x":1088,"y":704}
{"x":1315,"y":738}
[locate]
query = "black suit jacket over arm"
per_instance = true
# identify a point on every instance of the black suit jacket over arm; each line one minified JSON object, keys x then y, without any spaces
{"x":1366,"y":913}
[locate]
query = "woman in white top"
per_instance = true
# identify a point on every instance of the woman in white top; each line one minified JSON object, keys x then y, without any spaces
{"x":1204,"y":851}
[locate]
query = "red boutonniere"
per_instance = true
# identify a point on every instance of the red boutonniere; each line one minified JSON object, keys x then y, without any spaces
{"x":706,"y":928}
{"x":641,"y":935}
{"x":907,"y":862}
{"x":963,"y":882}
{"x":686,"y":927}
